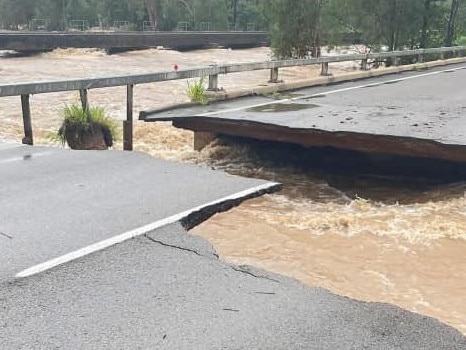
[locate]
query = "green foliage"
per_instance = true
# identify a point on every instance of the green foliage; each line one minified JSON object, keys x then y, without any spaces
{"x":294,"y":26}
{"x":197,"y":91}
{"x":165,"y":14}
{"x":297,"y":29}
{"x":461,"y":41}
{"x":79,"y":121}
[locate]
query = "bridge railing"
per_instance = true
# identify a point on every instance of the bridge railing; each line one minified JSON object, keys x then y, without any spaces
{"x":83,"y":85}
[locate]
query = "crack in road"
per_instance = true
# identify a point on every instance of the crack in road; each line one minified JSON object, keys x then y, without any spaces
{"x":172,"y":246}
{"x":5,"y":235}
{"x":239,"y":269}
{"x":236,"y":268}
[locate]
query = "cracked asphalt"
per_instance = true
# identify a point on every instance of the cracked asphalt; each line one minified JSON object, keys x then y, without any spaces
{"x":165,"y":289}
{"x":168,"y":290}
{"x":56,"y":201}
{"x":427,"y":104}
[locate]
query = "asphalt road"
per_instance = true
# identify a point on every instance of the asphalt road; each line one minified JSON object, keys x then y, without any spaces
{"x":426,"y":105}
{"x":166,"y":290}
{"x":55,"y":201}
{"x":163,"y":288}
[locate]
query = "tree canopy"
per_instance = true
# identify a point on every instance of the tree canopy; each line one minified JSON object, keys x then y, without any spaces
{"x":297,"y":28}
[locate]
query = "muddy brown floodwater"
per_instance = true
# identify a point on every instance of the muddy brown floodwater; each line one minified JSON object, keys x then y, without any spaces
{"x":370,"y":240}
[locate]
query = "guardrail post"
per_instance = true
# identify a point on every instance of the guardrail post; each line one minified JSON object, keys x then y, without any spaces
{"x":273,"y":75}
{"x":364,"y":65}
{"x":324,"y":72}
{"x":441,"y":55}
{"x":213,"y":82}
{"x":128,"y":123}
{"x":396,"y":61}
{"x":84,"y":99}
{"x":420,"y":57}
{"x":27,"y":139}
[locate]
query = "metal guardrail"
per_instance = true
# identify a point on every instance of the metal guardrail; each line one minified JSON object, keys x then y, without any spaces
{"x":83,"y":85}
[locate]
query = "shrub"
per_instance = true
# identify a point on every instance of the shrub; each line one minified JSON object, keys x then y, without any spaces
{"x":87,"y":128}
{"x":196,"y":91}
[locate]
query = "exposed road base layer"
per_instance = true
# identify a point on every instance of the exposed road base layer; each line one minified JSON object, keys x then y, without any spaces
{"x":405,"y":146}
{"x":418,"y":113}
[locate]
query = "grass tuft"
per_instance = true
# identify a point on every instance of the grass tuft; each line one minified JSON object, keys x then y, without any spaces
{"x":77,"y":120}
{"x":197,"y":91}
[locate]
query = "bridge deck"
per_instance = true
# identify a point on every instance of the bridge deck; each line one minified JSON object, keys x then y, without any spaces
{"x":415,"y":114}
{"x":40,"y":41}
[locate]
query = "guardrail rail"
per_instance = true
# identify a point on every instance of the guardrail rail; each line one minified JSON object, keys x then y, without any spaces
{"x":83,"y":85}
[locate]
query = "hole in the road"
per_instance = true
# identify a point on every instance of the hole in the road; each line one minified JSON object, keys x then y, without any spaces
{"x":282,"y":107}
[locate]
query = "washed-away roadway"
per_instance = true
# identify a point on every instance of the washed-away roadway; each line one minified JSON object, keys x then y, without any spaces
{"x":56,"y":202}
{"x":164,"y":288}
{"x":419,"y":114}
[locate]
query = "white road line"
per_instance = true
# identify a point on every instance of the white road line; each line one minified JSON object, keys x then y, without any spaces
{"x":135,"y":233}
{"x":237,"y":109}
{"x":25,"y":157}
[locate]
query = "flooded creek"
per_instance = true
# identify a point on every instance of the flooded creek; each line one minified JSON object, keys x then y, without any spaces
{"x":360,"y":236}
{"x":335,"y":225}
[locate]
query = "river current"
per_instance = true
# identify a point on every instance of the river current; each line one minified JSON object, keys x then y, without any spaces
{"x":370,"y":237}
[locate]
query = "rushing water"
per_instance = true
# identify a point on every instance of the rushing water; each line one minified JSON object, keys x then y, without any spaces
{"x":341,"y":226}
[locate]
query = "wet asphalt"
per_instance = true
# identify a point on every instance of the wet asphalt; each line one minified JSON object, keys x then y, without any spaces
{"x":168,"y":290}
{"x":164,"y":289}
{"x":427,"y":104}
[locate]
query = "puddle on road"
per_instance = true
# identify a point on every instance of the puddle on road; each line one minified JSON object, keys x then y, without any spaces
{"x":282,"y":107}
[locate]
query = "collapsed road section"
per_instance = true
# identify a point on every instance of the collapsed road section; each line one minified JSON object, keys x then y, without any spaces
{"x":416,"y":114}
{"x":94,"y":254}
{"x":59,"y":205}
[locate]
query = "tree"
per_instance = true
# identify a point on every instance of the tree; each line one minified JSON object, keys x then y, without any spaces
{"x":16,"y":13}
{"x":451,"y":27}
{"x":294,"y":27}
{"x":151,"y":8}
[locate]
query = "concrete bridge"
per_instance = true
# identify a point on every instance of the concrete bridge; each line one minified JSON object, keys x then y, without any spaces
{"x":114,"y":41}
